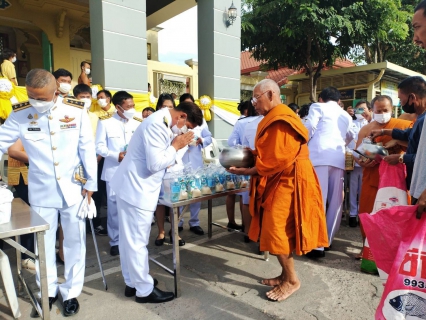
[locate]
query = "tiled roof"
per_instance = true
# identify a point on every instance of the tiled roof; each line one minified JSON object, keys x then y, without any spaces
{"x":249,"y":64}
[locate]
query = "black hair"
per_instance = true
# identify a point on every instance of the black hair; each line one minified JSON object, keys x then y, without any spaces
{"x":193,"y":112}
{"x":148,"y":109}
{"x":330,"y":94}
{"x":163,"y":97}
{"x":81,"y":88}
{"x":420,"y":6}
{"x":62,"y":73}
{"x":360,"y":102}
{"x":107,"y":93}
{"x":185,"y":96}
{"x":8,"y":53}
{"x":293,"y":107}
{"x":416,"y":85}
{"x":246,"y":105}
{"x":83,"y":63}
{"x":381,"y":98}
{"x":119,"y":96}
{"x":304,"y":110}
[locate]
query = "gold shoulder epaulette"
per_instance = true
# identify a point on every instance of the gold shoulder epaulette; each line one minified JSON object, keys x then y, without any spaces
{"x":138,"y":119}
{"x":21,"y":106}
{"x":74,"y":103}
{"x":107,"y":116}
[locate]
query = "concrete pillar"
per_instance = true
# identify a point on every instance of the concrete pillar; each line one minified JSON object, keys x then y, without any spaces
{"x":219,"y":50}
{"x":118,"y":36}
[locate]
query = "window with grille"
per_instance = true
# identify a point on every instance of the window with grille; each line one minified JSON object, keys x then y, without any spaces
{"x":4,"y":43}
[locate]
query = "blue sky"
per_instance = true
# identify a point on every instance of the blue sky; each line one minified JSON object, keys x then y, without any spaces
{"x":177,"y":42}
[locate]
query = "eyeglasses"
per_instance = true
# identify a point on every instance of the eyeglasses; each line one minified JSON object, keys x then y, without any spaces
{"x":254,"y":99}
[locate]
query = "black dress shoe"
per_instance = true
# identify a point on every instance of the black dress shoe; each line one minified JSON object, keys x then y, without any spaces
{"x":327,"y":248}
{"x":59,"y":260}
{"x":52,"y":300}
{"x":246,"y":239}
{"x":181,"y":241}
{"x":114,"y":251}
{"x":156,"y":296}
{"x":180,"y":228}
{"x":234,"y":226}
{"x":130,"y":292}
{"x":71,"y":307}
{"x":353,"y":223}
{"x":159,"y":242}
{"x":197,"y":230}
{"x":315,"y":254}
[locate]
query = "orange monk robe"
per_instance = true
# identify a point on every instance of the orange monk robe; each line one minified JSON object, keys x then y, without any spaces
{"x":370,"y":176}
{"x":286,"y":202}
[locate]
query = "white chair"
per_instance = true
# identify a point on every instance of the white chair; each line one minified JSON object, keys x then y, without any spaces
{"x":6,"y":274}
{"x":211,"y":153}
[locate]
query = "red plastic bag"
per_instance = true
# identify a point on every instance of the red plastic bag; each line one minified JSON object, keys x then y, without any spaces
{"x":395,"y":234}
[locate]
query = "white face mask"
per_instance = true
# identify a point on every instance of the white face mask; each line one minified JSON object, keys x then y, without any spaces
{"x":102,"y":102}
{"x":359,"y":116}
{"x":128,"y":114}
{"x":383,"y":117}
{"x":87,"y":103}
{"x":13,"y":59}
{"x":64,"y":87}
{"x":177,"y":130}
{"x":42,"y":106}
{"x":87,"y":71}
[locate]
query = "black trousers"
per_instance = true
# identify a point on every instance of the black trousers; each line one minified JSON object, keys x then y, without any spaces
{"x":99,"y":195}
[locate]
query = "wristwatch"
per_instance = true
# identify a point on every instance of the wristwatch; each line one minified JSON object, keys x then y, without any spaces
{"x":401,"y":158}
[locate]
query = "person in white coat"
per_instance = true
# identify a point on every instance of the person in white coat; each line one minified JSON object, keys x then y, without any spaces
{"x":194,"y":157}
{"x":56,"y":134}
{"x":113,"y":134}
{"x":330,"y":130}
{"x":137,"y":183}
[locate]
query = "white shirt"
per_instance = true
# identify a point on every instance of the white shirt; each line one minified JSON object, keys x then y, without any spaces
{"x":139,"y":177}
{"x":236,"y":137}
{"x":250,"y":132}
{"x":56,"y":142}
{"x":113,"y":134}
{"x":193,"y":153}
{"x":330,"y":130}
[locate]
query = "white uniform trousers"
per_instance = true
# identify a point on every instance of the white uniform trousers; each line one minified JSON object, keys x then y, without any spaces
{"x":112,"y":213}
{"x":355,"y":181}
{"x":331,"y":181}
{"x":134,"y":228}
{"x":194,"y":209}
{"x":74,"y":250}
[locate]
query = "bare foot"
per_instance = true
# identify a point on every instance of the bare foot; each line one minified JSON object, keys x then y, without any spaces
{"x":283,"y":290}
{"x":272,"y":282}
{"x":358,"y":256}
{"x":161,"y":236}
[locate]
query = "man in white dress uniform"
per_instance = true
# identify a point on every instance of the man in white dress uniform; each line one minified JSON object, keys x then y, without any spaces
{"x":56,"y":134}
{"x":113,"y":134}
{"x":137,"y":183}
{"x":330,"y":130}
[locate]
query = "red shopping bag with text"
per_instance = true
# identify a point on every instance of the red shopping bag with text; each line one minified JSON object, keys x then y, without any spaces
{"x":398,"y":243}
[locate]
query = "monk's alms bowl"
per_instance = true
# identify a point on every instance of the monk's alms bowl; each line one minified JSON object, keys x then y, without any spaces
{"x":236,"y":157}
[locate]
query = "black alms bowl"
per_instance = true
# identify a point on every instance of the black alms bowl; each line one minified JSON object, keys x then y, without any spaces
{"x":236,"y":157}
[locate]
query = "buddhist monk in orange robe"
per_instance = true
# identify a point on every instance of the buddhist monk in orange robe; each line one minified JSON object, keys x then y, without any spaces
{"x":382,"y":108}
{"x":285,"y":197}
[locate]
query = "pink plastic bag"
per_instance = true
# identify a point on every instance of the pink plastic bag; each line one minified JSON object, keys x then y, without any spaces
{"x":398,"y":242}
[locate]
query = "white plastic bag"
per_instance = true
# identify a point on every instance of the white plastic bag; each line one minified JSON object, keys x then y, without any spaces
{"x":6,"y":198}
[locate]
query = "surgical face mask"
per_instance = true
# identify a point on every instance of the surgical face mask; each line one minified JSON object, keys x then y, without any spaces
{"x":42,"y":106}
{"x":359,"y":116}
{"x":13,"y":59}
{"x":383,"y":117}
{"x":128,"y":114}
{"x":177,"y":130}
{"x":102,"y":102}
{"x":64,"y":87}
{"x":87,"y":103}
{"x":87,"y":71}
{"x":407,"y":107}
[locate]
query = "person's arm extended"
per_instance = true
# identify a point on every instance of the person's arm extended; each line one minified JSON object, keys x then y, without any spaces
{"x":16,"y":152}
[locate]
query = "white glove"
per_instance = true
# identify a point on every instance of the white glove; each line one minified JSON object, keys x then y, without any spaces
{"x":87,"y":210}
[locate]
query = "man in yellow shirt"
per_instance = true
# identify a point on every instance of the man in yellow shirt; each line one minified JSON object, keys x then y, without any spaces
{"x":7,"y":67}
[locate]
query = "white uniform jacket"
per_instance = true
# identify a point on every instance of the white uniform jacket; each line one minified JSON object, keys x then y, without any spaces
{"x":250,"y":131}
{"x":330,"y":130}
{"x":56,"y":142}
{"x":236,"y":137}
{"x":193,"y":154}
{"x":113,"y":134}
{"x":138,"y":178}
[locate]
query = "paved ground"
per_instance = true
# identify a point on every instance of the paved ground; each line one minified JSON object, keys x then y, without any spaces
{"x":220,"y":281}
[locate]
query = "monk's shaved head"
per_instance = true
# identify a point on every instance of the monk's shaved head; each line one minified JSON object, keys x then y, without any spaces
{"x":39,"y":78}
{"x":268,"y":84}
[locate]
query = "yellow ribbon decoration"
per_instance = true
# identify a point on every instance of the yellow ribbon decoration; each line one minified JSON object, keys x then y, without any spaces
{"x":205,"y":103}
